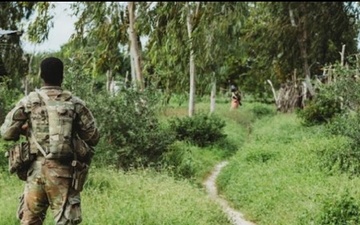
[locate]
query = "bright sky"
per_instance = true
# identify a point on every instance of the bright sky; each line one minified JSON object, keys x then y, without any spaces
{"x":59,"y":34}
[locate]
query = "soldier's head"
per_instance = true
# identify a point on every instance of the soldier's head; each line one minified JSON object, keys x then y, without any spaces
{"x":52,"y":71}
{"x":233,"y":88}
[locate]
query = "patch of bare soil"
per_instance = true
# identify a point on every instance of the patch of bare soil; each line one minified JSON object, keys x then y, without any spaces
{"x":234,"y":216}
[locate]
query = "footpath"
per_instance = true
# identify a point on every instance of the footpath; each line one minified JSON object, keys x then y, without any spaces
{"x":234,"y":216}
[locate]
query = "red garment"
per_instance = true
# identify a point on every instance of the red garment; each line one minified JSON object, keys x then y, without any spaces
{"x":235,"y":100}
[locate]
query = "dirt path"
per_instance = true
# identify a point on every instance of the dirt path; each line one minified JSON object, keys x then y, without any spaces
{"x":234,"y":216}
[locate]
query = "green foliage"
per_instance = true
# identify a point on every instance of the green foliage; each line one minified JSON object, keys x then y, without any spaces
{"x":334,"y":97}
{"x":4,"y":164}
{"x":260,"y":110}
{"x":8,"y":98}
{"x":275,"y":177}
{"x":201,"y":129}
{"x":340,"y":209}
{"x":260,"y":157}
{"x":343,"y":125}
{"x":179,"y":161}
{"x":346,"y":85}
{"x":38,"y":29}
{"x":130,"y":128}
{"x":339,"y":157}
{"x":13,"y":62}
{"x":321,"y":109}
{"x":113,"y":197}
{"x":276,"y":58}
{"x":344,"y":154}
{"x":338,"y":104}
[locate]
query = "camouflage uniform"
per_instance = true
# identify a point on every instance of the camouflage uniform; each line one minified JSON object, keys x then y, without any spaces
{"x":49,"y":180}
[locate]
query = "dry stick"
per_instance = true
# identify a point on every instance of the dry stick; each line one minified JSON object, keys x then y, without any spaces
{"x":274,"y":93}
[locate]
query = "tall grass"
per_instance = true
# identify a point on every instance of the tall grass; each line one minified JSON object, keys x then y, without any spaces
{"x":138,"y":197}
{"x":276,"y":177}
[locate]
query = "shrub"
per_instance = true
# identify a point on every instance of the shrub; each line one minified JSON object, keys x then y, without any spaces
{"x":321,"y":109}
{"x":260,"y":110}
{"x":338,"y":96}
{"x":178,"y":161}
{"x":344,"y":154}
{"x":201,"y":129}
{"x":132,"y":135}
{"x":344,"y":125}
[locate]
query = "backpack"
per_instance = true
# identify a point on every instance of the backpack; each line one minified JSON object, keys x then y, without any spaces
{"x":51,"y":122}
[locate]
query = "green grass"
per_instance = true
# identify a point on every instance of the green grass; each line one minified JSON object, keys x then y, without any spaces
{"x":275,"y":178}
{"x":138,"y":197}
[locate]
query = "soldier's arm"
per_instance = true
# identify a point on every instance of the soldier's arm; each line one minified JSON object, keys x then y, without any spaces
{"x":85,"y":125}
{"x":15,"y":123}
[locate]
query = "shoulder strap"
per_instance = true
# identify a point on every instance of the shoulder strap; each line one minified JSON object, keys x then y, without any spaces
{"x":37,"y":144}
{"x":43,"y":96}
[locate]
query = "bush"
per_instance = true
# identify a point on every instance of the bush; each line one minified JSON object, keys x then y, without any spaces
{"x":344,"y":154}
{"x":260,"y":110}
{"x":333,"y":98}
{"x":132,"y":135}
{"x":344,"y":125}
{"x":178,"y":161}
{"x":321,"y":109}
{"x":201,"y":129}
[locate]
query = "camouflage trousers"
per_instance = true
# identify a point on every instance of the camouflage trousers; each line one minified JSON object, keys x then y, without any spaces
{"x":48,"y":185}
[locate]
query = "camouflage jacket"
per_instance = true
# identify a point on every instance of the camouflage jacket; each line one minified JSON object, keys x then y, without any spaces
{"x":84,"y":122}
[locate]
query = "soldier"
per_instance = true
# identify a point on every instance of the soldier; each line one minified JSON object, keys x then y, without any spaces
{"x":235,"y":97}
{"x":51,"y":118}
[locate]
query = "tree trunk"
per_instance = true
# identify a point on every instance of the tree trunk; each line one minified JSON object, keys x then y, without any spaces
{"x":134,"y":47}
{"x":213,"y":95}
{"x":109,"y":81}
{"x":303,"y":48}
{"x":191,"y":63}
{"x":133,"y":74}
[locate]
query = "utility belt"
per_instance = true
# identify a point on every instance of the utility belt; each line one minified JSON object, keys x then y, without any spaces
{"x":64,"y":161}
{"x":20,"y":159}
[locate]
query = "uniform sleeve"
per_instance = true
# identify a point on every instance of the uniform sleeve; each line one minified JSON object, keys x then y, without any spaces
{"x":86,"y":125}
{"x":14,"y":120}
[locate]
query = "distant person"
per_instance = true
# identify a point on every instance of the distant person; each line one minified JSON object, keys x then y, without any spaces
{"x":235,"y":97}
{"x":55,"y":124}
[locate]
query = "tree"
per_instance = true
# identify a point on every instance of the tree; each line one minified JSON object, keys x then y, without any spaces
{"x":192,"y":14}
{"x":278,"y":34}
{"x":135,"y":53}
{"x":101,"y":32}
{"x":167,"y":53}
{"x":12,"y":63}
{"x":213,"y":40}
{"x":219,"y":43}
